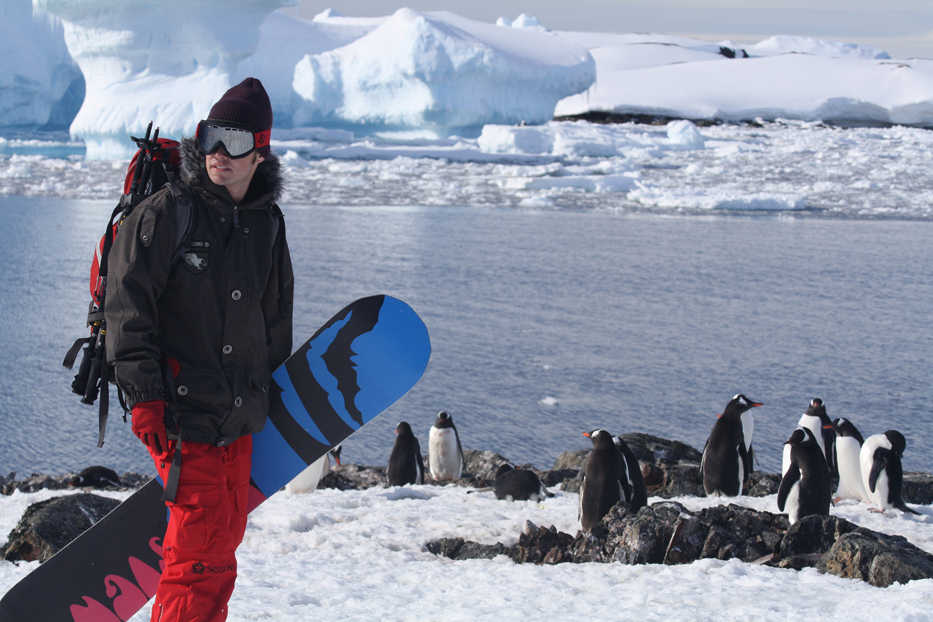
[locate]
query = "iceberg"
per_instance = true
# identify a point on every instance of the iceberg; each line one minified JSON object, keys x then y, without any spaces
{"x":141,"y":62}
{"x":441,"y":72}
{"x":41,"y":86}
{"x":105,"y":68}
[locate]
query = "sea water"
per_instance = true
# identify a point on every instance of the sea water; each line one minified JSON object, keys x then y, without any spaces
{"x":544,"y":324}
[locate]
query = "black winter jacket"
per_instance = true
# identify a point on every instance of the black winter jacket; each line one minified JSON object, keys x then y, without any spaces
{"x":203,"y":332}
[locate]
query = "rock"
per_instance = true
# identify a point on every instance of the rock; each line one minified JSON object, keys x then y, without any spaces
{"x":92,"y":477}
{"x":807,"y":540}
{"x":572,"y":460}
{"x":761,"y":484}
{"x":542,"y":545}
{"x":918,"y":488}
{"x":558,"y":476}
{"x":641,"y":538}
{"x":666,"y":532}
{"x":458,"y":548}
{"x":653,"y":449}
{"x":680,"y":479}
{"x":879,"y":559}
{"x":49,"y":525}
{"x":573,"y":484}
{"x":353,"y":477}
{"x":669,"y":468}
{"x":35,"y":482}
{"x":482,"y":465}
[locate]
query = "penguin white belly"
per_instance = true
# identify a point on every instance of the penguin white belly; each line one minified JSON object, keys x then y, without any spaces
{"x":308,"y":479}
{"x":741,"y":470}
{"x":792,"y":504}
{"x":879,"y":497}
{"x":443,"y":454}
{"x":748,"y":428}
{"x":850,"y":469}
{"x":785,"y":459}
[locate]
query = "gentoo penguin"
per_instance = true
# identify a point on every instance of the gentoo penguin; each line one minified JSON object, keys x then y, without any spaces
{"x":307,"y":480}
{"x":445,"y":454}
{"x":518,"y":484}
{"x":817,"y":421}
{"x":601,"y":487}
{"x":847,"y":445}
{"x":406,"y":464}
{"x":633,"y":484}
{"x":882,"y":474}
{"x":805,"y":486}
{"x":727,"y":455}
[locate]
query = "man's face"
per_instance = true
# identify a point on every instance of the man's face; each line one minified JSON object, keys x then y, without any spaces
{"x":233,"y":173}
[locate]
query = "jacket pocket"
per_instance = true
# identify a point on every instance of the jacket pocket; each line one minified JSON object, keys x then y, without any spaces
{"x":203,"y":391}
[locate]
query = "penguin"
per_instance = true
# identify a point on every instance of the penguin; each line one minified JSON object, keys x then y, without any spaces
{"x":798,"y":436}
{"x":445,"y":454}
{"x":633,"y":484}
{"x":806,"y":486}
{"x":310,"y":477}
{"x":882,"y":474}
{"x":406,"y":464}
{"x":518,"y":484}
{"x":818,"y":422}
{"x":727,"y":455}
{"x":601,"y":487}
{"x":848,"y":444}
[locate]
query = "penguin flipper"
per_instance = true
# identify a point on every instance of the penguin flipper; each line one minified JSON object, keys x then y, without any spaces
{"x":459,"y":446}
{"x":791,"y":477}
{"x":878,"y":463}
{"x":703,"y":464}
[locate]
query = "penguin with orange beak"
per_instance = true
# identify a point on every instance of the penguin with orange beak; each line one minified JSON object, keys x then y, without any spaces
{"x":728,"y":456}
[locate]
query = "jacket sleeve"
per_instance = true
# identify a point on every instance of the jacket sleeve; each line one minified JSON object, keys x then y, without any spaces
{"x":138,"y":270}
{"x":278,"y":298}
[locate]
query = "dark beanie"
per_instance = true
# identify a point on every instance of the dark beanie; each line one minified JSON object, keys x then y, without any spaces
{"x":246,"y":105}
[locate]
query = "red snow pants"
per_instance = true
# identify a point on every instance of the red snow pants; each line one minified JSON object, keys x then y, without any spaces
{"x":206,"y":524}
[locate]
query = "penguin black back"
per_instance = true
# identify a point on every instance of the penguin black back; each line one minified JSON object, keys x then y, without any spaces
{"x":633,"y":484}
{"x":517,"y":484}
{"x":889,"y":461}
{"x":808,"y":470}
{"x":406,"y":464}
{"x":816,"y":419}
{"x":602,"y":472}
{"x":726,"y":462}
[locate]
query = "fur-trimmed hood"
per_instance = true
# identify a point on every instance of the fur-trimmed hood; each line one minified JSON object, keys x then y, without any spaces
{"x":193,"y":173}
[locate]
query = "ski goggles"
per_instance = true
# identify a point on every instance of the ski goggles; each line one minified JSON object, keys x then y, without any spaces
{"x":237,"y":142}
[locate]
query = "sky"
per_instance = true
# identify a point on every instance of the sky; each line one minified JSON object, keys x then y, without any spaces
{"x":904,"y":28}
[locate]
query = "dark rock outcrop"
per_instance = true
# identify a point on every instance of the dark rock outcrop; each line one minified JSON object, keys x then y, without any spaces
{"x":99,"y":477}
{"x":49,"y":525}
{"x":918,"y":488}
{"x":353,"y":477}
{"x":480,"y":467}
{"x":876,"y":558}
{"x":667,"y":533}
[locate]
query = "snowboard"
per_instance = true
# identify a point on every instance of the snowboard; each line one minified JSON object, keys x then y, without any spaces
{"x":355,"y":366}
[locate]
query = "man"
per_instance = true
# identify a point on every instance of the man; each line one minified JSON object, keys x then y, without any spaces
{"x":194,"y":341}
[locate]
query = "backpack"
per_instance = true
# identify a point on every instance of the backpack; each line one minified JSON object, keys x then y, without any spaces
{"x":154,"y":165}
